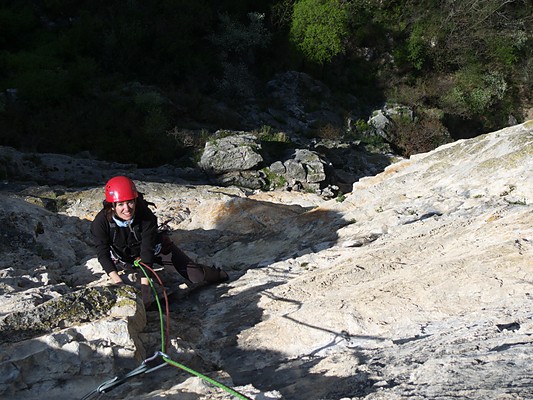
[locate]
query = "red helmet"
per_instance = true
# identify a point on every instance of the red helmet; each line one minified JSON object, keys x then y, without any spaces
{"x":120,"y":188}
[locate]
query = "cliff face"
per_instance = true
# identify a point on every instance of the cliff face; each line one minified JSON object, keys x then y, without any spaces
{"x":417,"y":285}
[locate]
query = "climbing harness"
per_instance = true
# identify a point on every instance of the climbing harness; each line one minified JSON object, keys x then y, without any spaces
{"x":160,"y":358}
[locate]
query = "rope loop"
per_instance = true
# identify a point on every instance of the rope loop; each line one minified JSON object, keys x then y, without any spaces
{"x":147,"y":365}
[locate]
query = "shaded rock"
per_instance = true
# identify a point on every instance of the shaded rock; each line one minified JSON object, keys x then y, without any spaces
{"x":246,"y":179}
{"x":231,"y":153}
{"x":239,"y":160}
{"x":382,"y":124}
{"x":315,"y":167}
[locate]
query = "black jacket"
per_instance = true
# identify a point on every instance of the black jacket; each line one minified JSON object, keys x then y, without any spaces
{"x":127,"y":243}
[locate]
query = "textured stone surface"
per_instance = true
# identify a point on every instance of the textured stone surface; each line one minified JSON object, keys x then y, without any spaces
{"x":416,"y":286}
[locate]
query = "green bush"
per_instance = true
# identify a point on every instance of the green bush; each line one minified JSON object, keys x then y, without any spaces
{"x":474,"y":92}
{"x":319,"y":29}
{"x":417,"y":44}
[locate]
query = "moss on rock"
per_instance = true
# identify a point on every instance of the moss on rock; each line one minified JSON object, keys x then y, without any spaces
{"x":74,"y":308}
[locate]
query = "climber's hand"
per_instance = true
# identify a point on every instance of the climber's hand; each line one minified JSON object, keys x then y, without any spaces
{"x":115,"y":277}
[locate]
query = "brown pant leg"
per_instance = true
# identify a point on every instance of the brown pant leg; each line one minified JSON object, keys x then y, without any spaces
{"x":204,"y":273}
{"x":180,"y":260}
{"x":193,"y":271}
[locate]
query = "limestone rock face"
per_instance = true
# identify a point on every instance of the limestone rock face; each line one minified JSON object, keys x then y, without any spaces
{"x":232,"y":153}
{"x":416,"y":284}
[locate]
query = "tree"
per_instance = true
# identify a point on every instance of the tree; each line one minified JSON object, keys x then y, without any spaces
{"x":237,"y":44}
{"x":319,"y":29}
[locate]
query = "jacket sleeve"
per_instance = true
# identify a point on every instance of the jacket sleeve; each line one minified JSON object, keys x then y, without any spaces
{"x":101,"y":234}
{"x":149,"y":236}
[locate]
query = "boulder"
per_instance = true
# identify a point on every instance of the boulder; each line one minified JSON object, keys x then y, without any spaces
{"x":237,"y":152}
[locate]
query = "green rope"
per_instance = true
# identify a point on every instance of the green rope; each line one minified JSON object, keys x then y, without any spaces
{"x":138,"y":263}
{"x":206,"y":378}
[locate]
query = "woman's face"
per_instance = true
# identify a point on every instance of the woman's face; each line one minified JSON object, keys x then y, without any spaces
{"x":125,"y":209}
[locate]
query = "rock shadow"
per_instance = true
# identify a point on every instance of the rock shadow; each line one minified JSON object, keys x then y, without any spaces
{"x":224,"y":317}
{"x":224,"y":322}
{"x":353,"y":161}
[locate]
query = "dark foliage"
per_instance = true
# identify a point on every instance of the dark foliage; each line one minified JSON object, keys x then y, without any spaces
{"x":115,"y":77}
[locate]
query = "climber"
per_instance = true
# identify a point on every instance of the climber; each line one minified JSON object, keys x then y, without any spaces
{"x":126,"y":230}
